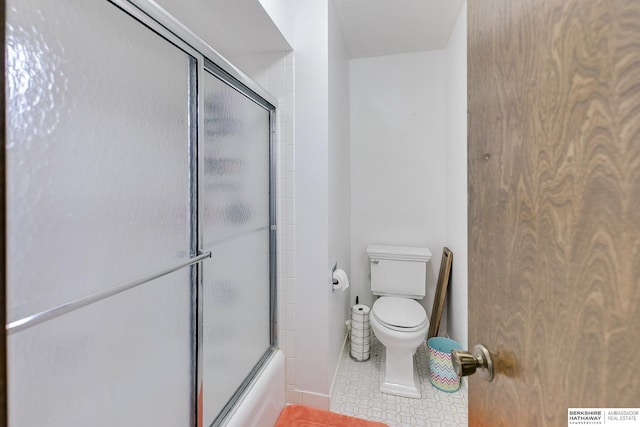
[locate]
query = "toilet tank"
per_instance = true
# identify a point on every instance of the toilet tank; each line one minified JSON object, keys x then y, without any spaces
{"x":398,"y":270}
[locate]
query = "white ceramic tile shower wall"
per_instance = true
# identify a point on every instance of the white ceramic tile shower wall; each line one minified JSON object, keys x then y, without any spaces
{"x":274,"y":72}
{"x":357,"y":393}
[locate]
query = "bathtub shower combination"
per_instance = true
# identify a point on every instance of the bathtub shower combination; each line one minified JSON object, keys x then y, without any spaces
{"x":141,"y":220}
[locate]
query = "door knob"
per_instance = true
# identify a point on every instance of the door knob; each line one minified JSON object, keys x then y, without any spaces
{"x":465,"y":363}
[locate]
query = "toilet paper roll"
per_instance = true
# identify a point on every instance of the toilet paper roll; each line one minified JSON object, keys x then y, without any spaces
{"x":360,"y":356}
{"x":359,"y":318}
{"x":359,"y":340}
{"x":340,"y":280}
{"x":363,"y":333}
{"x":360,"y":348}
{"x":360,"y":332}
{"x":361,"y":325}
{"x":360,"y":309}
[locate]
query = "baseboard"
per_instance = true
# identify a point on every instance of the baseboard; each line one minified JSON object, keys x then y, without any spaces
{"x":315,"y":400}
{"x":345,"y":342}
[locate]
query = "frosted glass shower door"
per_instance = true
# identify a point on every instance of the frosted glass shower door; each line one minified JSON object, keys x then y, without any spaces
{"x":98,"y":183}
{"x":235,"y":201}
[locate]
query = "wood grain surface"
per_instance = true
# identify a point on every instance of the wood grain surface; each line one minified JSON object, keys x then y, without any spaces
{"x":554,"y":206}
{"x":442,"y":285}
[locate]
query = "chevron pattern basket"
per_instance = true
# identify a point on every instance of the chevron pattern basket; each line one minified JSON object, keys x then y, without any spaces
{"x":441,"y":372}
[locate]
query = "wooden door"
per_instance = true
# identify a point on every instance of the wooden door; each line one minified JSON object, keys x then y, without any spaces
{"x":554,"y":206}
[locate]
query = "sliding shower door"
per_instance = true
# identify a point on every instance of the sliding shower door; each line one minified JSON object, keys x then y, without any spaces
{"x":140,"y":220}
{"x":236,"y":227}
{"x":98,"y":200}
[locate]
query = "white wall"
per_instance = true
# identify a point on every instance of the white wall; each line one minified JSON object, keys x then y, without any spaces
{"x":282,"y":13}
{"x":456,"y":176}
{"x":311,"y":187}
{"x":339,"y":185}
{"x":232,"y":28}
{"x":397,"y":160}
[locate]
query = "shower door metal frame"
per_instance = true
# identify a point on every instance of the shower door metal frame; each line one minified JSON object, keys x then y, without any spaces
{"x":157,"y":21}
{"x":194,"y":257}
{"x":206,"y":59}
{"x":240,"y":86}
{"x":202,"y":57}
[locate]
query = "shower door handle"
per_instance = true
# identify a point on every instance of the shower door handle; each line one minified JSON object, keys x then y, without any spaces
{"x":466,"y":363}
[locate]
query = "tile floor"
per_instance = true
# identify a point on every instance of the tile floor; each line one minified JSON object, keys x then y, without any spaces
{"x":356,"y":393}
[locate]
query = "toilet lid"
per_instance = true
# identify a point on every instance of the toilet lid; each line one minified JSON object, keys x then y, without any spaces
{"x":399,"y":312}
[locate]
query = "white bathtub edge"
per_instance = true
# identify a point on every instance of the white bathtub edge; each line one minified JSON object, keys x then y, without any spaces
{"x":264,"y":400}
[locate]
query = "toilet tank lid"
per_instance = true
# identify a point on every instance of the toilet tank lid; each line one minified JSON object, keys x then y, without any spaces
{"x":408,"y":253}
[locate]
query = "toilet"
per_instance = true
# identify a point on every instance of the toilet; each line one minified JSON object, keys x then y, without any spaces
{"x":398,"y":277}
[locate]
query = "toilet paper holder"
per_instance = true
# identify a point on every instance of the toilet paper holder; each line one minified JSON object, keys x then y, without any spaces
{"x":339,"y":279}
{"x":334,"y":281}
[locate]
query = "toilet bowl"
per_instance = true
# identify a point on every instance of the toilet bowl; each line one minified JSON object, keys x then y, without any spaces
{"x":398,"y":278}
{"x":401,"y":325}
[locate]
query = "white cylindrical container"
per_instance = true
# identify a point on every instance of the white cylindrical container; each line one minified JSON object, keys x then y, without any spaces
{"x":360,"y":332}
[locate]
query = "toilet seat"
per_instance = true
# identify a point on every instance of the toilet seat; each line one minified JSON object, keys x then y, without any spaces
{"x":399,"y":314}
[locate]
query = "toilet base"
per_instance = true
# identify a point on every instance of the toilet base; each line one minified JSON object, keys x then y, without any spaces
{"x":408,"y":389}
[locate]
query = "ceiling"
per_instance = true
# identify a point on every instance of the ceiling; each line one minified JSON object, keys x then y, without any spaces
{"x":232,"y":27}
{"x":370,"y":27}
{"x":387,"y":27}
